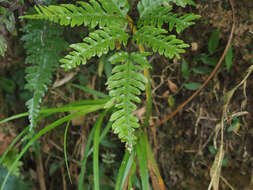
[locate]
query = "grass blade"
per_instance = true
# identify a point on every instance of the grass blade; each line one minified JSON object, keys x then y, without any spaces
{"x":69,"y":107}
{"x":47,"y":129}
{"x":65,"y":150}
{"x":85,"y":157}
{"x":124,"y":169}
{"x":91,"y":91}
{"x":143,"y":161}
{"x":96,"y":149}
{"x":88,"y":151}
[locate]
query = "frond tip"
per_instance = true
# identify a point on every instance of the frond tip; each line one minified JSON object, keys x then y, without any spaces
{"x":125,"y":85}
{"x":155,"y":38}
{"x":88,"y":14}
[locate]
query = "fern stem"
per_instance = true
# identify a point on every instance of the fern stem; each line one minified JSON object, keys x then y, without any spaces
{"x":146,"y":74}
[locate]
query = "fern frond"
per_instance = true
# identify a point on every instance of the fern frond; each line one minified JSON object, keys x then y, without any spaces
{"x":99,"y":42}
{"x":43,"y":44}
{"x":118,"y":7}
{"x":182,"y":3}
{"x":125,"y":85}
{"x":89,"y":14}
{"x":162,"y":14}
{"x":155,"y":38}
{"x":146,"y":7}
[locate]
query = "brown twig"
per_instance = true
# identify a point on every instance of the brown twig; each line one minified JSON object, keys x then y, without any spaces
{"x":40,"y":173}
{"x":179,"y":108}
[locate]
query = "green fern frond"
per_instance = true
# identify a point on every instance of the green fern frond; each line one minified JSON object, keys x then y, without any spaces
{"x":182,"y":3}
{"x":155,"y":38}
{"x":43,"y":44}
{"x":146,"y":7}
{"x":118,"y":7}
{"x":89,"y":14}
{"x":125,"y":85}
{"x":162,"y":14}
{"x":98,"y":43}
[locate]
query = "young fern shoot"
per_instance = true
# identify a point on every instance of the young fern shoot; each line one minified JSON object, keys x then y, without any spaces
{"x":111,"y":33}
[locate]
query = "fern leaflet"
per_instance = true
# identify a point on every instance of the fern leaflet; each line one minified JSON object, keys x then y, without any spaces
{"x":124,"y":85}
{"x":146,"y":7}
{"x":162,"y":14}
{"x":43,"y":44}
{"x":119,"y":7}
{"x":155,"y":38}
{"x":99,"y":42}
{"x":89,"y":14}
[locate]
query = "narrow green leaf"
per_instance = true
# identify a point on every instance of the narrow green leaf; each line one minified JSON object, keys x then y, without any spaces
{"x":125,"y":167}
{"x":185,"y":69}
{"x":91,"y":91}
{"x":228,"y":58}
{"x":202,"y":70}
{"x":192,"y":85}
{"x":48,"y":128}
{"x":85,"y":157}
{"x":213,"y":41}
{"x":65,"y":151}
{"x":96,"y":150}
{"x":143,"y":161}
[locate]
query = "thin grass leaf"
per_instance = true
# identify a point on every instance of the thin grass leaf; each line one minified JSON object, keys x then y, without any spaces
{"x":65,"y":150}
{"x":85,"y":157}
{"x":44,"y":131}
{"x":65,"y":108}
{"x":14,"y":117}
{"x":91,"y":91}
{"x":96,"y":149}
{"x":143,"y":161}
{"x":89,"y":150}
{"x":124,"y":169}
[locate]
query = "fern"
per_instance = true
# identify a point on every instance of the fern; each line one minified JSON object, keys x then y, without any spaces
{"x":99,"y":42}
{"x":89,"y":14}
{"x":147,"y":6}
{"x":125,"y":84}
{"x":109,"y":17}
{"x":155,"y":38}
{"x":43,"y":44}
{"x":162,"y":14}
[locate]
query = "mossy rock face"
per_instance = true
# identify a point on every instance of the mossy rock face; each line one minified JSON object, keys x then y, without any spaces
{"x":13,"y":182}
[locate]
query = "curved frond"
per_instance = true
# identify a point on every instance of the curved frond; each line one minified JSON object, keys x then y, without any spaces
{"x":157,"y":39}
{"x":162,"y":14}
{"x":98,"y":43}
{"x":44,"y":44}
{"x":125,"y":85}
{"x":119,"y":7}
{"x":88,"y":14}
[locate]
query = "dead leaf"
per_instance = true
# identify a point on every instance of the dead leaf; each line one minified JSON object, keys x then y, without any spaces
{"x":172,"y":86}
{"x":140,"y":112}
{"x":215,"y":171}
{"x":194,"y":46}
{"x":165,"y":94}
{"x":63,"y":81}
